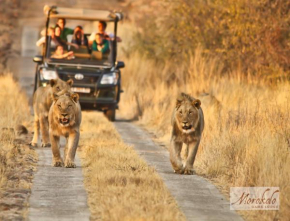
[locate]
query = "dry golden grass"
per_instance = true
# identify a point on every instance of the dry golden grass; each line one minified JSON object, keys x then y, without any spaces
{"x":17,"y":161}
{"x":119,"y":183}
{"x":246,"y":141}
{"x":13,"y":102}
{"x":14,"y":111}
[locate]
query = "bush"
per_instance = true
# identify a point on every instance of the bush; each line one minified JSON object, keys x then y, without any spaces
{"x":251,"y":35}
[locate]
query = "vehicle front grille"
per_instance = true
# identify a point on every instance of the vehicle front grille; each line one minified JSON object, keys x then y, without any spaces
{"x":88,"y":79}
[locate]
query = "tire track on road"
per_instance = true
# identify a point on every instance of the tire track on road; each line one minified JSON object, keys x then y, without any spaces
{"x":57,"y":193}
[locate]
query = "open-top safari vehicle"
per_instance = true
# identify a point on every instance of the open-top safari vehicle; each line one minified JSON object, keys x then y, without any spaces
{"x":97,"y":78}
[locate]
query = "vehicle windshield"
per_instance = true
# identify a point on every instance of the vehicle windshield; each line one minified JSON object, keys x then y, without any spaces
{"x":79,"y":42}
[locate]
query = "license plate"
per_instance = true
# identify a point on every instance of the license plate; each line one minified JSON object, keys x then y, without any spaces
{"x":81,"y":89}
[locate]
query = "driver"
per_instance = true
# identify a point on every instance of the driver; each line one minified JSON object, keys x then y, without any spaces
{"x":59,"y":53}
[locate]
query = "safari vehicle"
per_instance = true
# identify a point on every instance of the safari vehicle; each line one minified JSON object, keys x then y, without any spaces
{"x":97,"y":78}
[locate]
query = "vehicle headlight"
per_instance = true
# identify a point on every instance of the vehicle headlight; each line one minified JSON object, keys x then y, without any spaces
{"x":109,"y":78}
{"x":48,"y":74}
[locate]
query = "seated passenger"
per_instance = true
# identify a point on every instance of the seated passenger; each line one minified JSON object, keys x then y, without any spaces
{"x":102,"y":30}
{"x":54,"y":33}
{"x":79,"y":38}
{"x":64,"y":31}
{"x":41,"y":41}
{"x":100,"y":44}
{"x":59,"y":53}
{"x":57,"y":39}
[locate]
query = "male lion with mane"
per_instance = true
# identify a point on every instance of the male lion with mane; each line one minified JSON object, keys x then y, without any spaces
{"x":42,"y":100}
{"x":64,"y":120}
{"x":188,"y":124}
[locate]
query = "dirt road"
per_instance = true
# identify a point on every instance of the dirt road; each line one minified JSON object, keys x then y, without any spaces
{"x":57,"y":193}
{"x":197,"y":198}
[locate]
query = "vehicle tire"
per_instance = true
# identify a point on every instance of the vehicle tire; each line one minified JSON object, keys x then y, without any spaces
{"x":36,"y":80}
{"x":110,"y":114}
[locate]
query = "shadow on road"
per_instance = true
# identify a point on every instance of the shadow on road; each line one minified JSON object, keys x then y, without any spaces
{"x":126,"y":120}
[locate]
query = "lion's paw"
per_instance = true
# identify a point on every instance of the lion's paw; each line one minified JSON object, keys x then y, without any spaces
{"x":177,"y":167}
{"x":33,"y":144}
{"x":69,"y":164}
{"x":45,"y":145}
{"x":188,"y":171}
{"x":57,"y":163}
{"x":179,"y":171}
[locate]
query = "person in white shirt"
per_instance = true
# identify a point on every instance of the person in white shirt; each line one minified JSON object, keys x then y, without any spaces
{"x":50,"y":32}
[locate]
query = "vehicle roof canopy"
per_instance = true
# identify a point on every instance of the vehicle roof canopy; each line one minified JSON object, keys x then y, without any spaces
{"x":82,"y":14}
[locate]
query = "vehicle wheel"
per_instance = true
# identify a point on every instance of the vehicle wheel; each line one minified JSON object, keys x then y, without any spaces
{"x":110,"y":114}
{"x":36,"y":81}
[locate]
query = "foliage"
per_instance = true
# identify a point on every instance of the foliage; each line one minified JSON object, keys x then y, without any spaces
{"x":250,"y":35}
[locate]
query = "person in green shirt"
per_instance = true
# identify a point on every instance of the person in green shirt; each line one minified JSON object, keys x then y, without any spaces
{"x":101,"y":44}
{"x":64,"y":31}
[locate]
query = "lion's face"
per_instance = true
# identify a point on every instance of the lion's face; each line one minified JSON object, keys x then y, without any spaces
{"x":187,"y":115}
{"x":65,"y":109}
{"x":58,"y":85}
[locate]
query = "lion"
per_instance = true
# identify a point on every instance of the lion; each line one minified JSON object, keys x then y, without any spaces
{"x":64,"y":120}
{"x":187,"y":127}
{"x":42,"y":100}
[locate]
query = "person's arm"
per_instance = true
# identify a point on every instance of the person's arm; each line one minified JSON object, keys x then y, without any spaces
{"x":56,"y":56}
{"x":59,"y":41}
{"x":112,"y":37}
{"x":106,"y":46}
{"x":69,"y":31}
{"x":66,"y":55}
{"x":72,"y":44}
{"x":69,"y":55}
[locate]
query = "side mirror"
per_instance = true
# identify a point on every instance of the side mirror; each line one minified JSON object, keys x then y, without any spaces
{"x":120,"y":64}
{"x":38,"y":59}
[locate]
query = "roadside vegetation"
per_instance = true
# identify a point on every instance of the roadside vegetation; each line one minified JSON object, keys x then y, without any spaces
{"x":119,"y":183}
{"x":17,"y":160}
{"x":234,"y":56}
{"x":250,"y":35}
